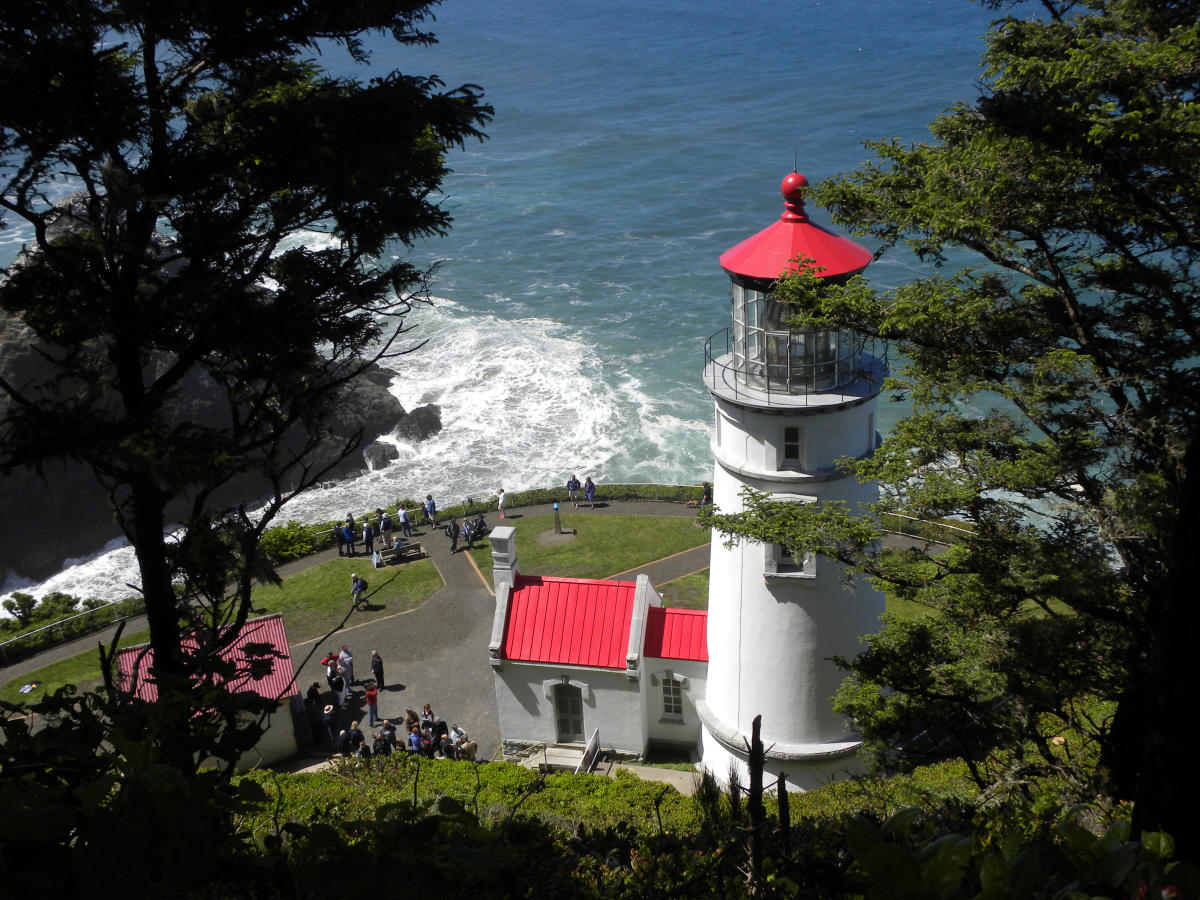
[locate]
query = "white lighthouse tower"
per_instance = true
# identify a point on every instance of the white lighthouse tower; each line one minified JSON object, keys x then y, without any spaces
{"x":789,"y":404}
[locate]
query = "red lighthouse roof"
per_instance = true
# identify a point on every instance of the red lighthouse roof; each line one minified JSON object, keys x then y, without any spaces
{"x":774,"y":250}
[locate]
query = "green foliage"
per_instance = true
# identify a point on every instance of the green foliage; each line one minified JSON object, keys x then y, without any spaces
{"x":562,"y":801}
{"x":294,"y":540}
{"x":63,"y":612}
{"x":181,"y":344}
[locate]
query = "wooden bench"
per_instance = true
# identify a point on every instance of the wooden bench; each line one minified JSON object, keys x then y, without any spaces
{"x":405,"y":553}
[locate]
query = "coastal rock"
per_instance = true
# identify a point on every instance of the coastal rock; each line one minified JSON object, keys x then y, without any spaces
{"x":420,"y":424}
{"x":64,"y":512}
{"x":378,"y":454}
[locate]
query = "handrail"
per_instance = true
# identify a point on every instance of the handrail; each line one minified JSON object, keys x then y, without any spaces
{"x":591,"y":753}
{"x":58,"y":623}
{"x":928,"y":522}
{"x":800,"y":380}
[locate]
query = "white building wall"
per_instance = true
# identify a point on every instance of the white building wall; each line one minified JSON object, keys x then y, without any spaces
{"x":668,"y":729}
{"x":612,"y":702}
{"x":277,"y":743}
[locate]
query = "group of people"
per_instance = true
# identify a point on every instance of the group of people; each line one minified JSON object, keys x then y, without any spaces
{"x":339,"y":675}
{"x":423,"y":733}
{"x":589,"y":491}
{"x":390,"y":529}
{"x":429,"y":736}
{"x":470,"y":531}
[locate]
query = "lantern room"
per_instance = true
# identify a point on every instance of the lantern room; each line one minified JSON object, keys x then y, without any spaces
{"x":760,"y":359}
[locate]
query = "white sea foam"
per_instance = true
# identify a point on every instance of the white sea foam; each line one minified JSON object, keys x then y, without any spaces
{"x":524,"y":403}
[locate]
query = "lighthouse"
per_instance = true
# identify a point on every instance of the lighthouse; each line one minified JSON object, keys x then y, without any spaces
{"x":790,"y":403}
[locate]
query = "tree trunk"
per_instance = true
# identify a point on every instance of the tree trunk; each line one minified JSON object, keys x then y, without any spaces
{"x":1152,"y":728}
{"x":162,"y":615}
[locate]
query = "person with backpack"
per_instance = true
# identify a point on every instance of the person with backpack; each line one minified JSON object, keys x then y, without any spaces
{"x":358,"y":587}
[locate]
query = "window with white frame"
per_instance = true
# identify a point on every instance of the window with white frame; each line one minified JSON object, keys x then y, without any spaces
{"x":778,"y":561}
{"x":793,"y":447}
{"x":787,"y":563}
{"x":672,"y":694}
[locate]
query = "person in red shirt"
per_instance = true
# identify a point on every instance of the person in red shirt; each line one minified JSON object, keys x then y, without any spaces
{"x":371,"y":695}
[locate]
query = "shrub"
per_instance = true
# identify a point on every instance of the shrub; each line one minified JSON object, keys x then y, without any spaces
{"x":294,"y":540}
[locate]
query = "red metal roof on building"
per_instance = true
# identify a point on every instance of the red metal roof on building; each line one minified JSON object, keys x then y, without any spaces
{"x":279,"y":682}
{"x":772,"y":251}
{"x":677,"y":633}
{"x":569,"y":621}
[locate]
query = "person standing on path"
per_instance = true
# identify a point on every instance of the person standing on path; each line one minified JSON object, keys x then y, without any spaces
{"x":589,"y":491}
{"x":371,"y":696}
{"x":347,"y":660}
{"x":430,"y":509}
{"x":337,"y":684}
{"x":332,"y":725}
{"x":405,"y":522}
{"x":377,"y":668}
{"x":369,"y":538}
{"x":573,"y":491}
{"x":452,"y":533}
{"x":500,"y":501}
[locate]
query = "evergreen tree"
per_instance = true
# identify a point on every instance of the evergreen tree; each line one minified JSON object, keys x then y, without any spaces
{"x":202,"y":139}
{"x":1056,"y":413}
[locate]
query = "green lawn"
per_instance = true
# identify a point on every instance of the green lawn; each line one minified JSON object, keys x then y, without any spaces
{"x":312,"y":602}
{"x":689,"y":592}
{"x":83,"y":671}
{"x":604,"y":545}
{"x":315,"y":599}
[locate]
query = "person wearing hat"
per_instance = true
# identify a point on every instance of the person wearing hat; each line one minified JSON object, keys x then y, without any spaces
{"x":330,"y":719}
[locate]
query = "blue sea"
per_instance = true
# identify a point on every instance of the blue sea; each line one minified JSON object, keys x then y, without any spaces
{"x":632,"y":144}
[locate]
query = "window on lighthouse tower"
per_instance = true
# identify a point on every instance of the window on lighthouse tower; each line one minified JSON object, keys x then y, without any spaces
{"x":793,"y":447}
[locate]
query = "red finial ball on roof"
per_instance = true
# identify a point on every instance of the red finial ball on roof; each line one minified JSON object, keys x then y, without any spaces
{"x":792,"y":186}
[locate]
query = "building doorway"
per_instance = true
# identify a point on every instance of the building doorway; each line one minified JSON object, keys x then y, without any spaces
{"x":568,"y":713}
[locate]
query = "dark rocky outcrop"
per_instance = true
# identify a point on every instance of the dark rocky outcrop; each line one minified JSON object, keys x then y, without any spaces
{"x":420,"y":424}
{"x":65,"y":514}
{"x":378,"y":454}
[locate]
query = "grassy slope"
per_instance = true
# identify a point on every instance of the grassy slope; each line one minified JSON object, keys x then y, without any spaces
{"x":355,"y":790}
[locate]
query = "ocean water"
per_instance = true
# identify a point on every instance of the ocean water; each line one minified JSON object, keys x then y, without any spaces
{"x":632,"y":144}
